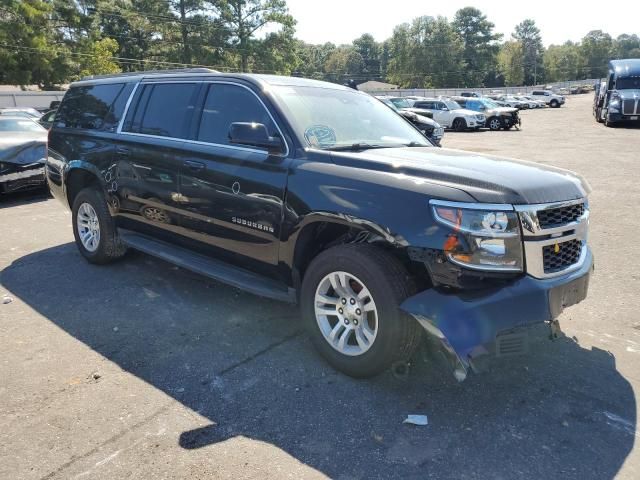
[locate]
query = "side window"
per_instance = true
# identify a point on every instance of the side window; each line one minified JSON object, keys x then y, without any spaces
{"x":164,"y":109}
{"x":226,"y":104}
{"x":117,"y":108}
{"x":535,"y":93}
{"x":86,"y":107}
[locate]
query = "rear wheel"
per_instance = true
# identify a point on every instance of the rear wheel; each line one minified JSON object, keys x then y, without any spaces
{"x":349,"y":300}
{"x":459,"y":124}
{"x":495,"y":124}
{"x":93,"y":228}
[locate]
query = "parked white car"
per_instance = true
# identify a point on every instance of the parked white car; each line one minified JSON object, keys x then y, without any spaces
{"x":548,"y":97}
{"x":538,"y":103}
{"x":449,"y":113}
{"x":528,"y":102}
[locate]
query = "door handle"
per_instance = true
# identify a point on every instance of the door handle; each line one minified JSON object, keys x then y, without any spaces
{"x":194,"y":166}
{"x":123,"y":151}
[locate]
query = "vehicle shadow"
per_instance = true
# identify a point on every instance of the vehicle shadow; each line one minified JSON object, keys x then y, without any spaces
{"x":243,"y":363}
{"x":24,"y":197}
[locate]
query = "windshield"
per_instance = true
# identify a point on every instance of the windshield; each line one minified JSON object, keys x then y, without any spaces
{"x":328,"y":118}
{"x":451,"y":105}
{"x":389,"y":103}
{"x":628,"y":83}
{"x":489,"y":103}
{"x":18,"y":125}
{"x":401,"y":102}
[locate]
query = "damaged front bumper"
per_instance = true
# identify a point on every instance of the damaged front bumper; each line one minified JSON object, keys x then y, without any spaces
{"x":468,"y":324}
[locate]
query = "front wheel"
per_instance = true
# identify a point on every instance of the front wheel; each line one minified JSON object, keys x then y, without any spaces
{"x":349,"y":300}
{"x":459,"y":124}
{"x":495,"y":124}
{"x":554,"y":104}
{"x":93,"y":228}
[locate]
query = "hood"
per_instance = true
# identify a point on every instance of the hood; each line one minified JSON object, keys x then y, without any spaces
{"x":22,"y":147}
{"x":501,"y":110}
{"x":414,"y":117}
{"x":629,"y":94}
{"x":466,"y":111}
{"x":487,"y":178}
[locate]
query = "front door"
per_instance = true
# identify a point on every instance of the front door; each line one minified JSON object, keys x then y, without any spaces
{"x":232,"y":196}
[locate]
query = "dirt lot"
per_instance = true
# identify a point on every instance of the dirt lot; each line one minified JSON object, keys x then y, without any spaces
{"x":141,"y":370}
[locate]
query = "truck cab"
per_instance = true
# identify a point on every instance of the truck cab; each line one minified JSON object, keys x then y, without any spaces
{"x":621,"y":99}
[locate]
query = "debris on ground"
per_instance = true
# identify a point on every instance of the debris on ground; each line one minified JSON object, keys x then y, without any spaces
{"x":6,"y":300}
{"x":416,"y":420}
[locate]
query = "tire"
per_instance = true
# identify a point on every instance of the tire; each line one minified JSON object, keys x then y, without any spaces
{"x":396,"y":334}
{"x":459,"y":125}
{"x":554,"y":104}
{"x":599,"y":115}
{"x":107,"y":246}
{"x":494,"y":124}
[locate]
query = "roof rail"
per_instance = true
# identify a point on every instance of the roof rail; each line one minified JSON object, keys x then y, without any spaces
{"x":152,"y":72}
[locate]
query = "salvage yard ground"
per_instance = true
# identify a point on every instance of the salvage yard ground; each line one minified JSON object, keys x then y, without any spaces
{"x":142,"y":370}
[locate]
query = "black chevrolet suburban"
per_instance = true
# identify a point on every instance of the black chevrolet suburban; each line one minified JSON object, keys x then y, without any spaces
{"x":310,"y":192}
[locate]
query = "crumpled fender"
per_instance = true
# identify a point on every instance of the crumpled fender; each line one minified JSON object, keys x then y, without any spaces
{"x":465,"y":322}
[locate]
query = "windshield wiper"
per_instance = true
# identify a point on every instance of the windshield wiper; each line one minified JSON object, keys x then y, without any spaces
{"x":356,"y":147}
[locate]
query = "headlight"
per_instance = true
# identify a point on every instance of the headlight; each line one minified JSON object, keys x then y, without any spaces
{"x":480,"y":117}
{"x":483,"y":237}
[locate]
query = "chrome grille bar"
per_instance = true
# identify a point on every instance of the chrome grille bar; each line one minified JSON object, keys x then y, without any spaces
{"x":537,"y":236}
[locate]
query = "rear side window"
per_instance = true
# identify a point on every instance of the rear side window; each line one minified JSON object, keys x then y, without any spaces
{"x":164,"y":110}
{"x":226,"y":104}
{"x":87,"y":106}
{"x":428,"y":105}
{"x":537,"y":93}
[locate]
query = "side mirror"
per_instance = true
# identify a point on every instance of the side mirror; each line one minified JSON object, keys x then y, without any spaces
{"x":254,"y":135}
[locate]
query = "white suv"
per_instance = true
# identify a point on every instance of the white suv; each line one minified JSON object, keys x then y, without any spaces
{"x":548,"y":97}
{"x":449,"y":113}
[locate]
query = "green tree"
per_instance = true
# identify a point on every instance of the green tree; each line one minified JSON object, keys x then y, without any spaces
{"x":342,"y":64}
{"x":32,"y":52}
{"x":597,"y":50}
{"x":188,"y":23}
{"x":369,"y":50}
{"x":627,"y":46}
{"x":510,"y":60}
{"x":528,"y":34}
{"x":97,"y":59}
{"x":480,"y":45}
{"x":428,"y":52}
{"x":563,"y":62}
{"x":243,"y":18}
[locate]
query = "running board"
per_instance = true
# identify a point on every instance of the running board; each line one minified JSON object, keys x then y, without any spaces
{"x":209,"y":267}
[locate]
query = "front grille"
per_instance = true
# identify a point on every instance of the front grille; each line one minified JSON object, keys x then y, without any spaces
{"x":555,"y":217}
{"x":628,"y":107}
{"x":559,"y":256}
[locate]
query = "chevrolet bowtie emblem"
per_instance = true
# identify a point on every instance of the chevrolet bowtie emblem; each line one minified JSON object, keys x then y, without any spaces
{"x":556,"y":248}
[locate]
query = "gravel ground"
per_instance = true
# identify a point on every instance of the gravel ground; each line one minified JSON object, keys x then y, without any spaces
{"x":142,"y":370}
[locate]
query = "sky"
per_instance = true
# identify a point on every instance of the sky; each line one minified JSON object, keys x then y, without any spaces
{"x":341,"y":21}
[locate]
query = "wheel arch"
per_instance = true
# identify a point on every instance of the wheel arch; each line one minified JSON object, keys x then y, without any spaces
{"x":80,"y":175}
{"x":321,"y":232}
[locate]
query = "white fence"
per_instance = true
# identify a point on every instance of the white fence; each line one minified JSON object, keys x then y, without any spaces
{"x":38,"y":100}
{"x":436,"y":92}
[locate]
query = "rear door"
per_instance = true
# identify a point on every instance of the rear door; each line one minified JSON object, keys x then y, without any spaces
{"x":232,"y":195}
{"x":149,"y":155}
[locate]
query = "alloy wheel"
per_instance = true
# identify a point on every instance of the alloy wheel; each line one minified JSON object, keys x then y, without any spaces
{"x":346,"y":313}
{"x":88,"y":227}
